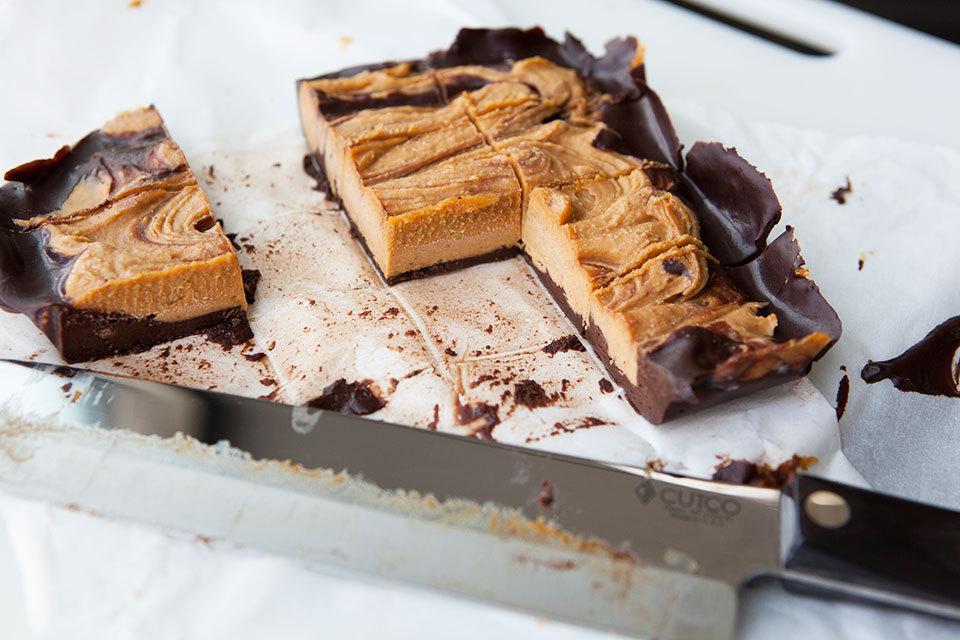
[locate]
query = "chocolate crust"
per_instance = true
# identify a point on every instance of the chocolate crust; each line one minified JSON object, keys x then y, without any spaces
{"x":503,"y":253}
{"x":81,"y":335}
{"x":735,"y":203}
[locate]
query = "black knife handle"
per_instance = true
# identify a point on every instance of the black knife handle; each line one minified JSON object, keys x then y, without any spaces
{"x":886,"y":548}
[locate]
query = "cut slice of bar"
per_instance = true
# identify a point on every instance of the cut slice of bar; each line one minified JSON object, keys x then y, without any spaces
{"x":111,"y":247}
{"x":523,"y":141}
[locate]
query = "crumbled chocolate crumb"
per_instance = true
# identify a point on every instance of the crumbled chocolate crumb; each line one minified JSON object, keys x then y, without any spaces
{"x":392,"y":311}
{"x":566,"y":343}
{"x":355,"y":398}
{"x":229,"y":333}
{"x":840,"y":194}
{"x":745,"y":472}
{"x":450,"y":352}
{"x":211,"y":173}
{"x":860,"y":264}
{"x":606,"y":386}
{"x":66,"y":388}
{"x":530,"y":394}
{"x":268,"y":382}
{"x":546,"y":497}
{"x":410,"y":332}
{"x":470,"y":413}
{"x":255,"y":357}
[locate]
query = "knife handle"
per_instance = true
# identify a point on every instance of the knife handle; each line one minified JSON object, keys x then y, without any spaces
{"x":844,"y":540}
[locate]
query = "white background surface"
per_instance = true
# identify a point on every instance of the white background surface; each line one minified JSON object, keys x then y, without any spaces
{"x":869,"y":88}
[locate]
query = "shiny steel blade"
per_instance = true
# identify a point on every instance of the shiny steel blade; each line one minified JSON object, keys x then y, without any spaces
{"x":694,"y":541}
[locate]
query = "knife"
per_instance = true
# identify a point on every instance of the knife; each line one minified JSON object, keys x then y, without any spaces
{"x":680,"y":547}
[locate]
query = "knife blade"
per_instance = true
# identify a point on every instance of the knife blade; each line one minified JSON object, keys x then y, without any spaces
{"x":691,"y":542}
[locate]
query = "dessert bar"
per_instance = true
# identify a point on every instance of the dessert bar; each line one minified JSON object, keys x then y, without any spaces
{"x":509,"y":141}
{"x":111,"y":247}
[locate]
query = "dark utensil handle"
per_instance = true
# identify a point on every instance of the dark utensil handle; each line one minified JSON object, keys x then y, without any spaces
{"x":847,"y":540}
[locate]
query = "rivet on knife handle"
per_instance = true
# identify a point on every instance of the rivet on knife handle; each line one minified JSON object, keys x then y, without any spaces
{"x":850,"y":541}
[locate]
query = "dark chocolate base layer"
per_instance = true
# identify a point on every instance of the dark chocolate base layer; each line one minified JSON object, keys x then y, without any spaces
{"x":82,"y":335}
{"x":503,"y":253}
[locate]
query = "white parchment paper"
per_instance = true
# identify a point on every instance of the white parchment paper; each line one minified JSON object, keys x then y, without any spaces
{"x":222,"y":76}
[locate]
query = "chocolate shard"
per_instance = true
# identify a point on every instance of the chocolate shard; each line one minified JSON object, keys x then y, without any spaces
{"x":36,"y":169}
{"x":737,"y":205}
{"x":776,"y":276}
{"x":492,"y":47}
{"x":644,"y":128}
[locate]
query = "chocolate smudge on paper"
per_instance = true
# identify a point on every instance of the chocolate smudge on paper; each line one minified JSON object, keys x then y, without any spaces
{"x":530,"y":394}
{"x":929,"y":367}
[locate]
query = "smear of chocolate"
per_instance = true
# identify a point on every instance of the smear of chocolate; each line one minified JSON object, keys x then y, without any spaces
{"x":566,"y":343}
{"x":840,"y":194}
{"x":928,"y":367}
{"x":745,"y":472}
{"x":251,"y":278}
{"x":255,"y":357}
{"x":530,"y":394}
{"x":843,"y":394}
{"x":546,"y":497}
{"x":355,"y":398}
